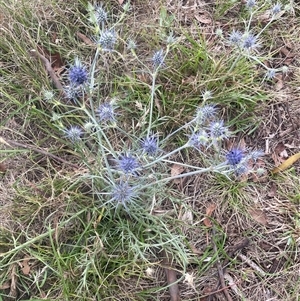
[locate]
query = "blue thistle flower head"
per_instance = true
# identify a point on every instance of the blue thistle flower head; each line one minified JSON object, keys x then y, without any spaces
{"x":205,"y":113}
{"x":128,"y":164}
{"x":72,"y":92}
{"x":73,"y":133}
{"x":106,"y":112}
{"x":250,"y":4}
{"x":235,"y":156}
{"x":218,"y":131}
{"x":270,"y":74}
{"x":256,"y":154}
{"x":199,"y":139}
{"x":100,"y":14}
{"x":235,"y":37}
{"x":108,"y":39}
{"x":250,"y":42}
{"x":123,"y":193}
{"x":77,"y":73}
{"x":149,"y":145}
{"x":276,"y":9}
{"x":158,"y":58}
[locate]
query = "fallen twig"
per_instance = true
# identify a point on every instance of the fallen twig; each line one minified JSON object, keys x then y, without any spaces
{"x":220,"y":269}
{"x":171,"y":278}
{"x":49,"y":69}
{"x":37,"y":150}
{"x":252,"y":264}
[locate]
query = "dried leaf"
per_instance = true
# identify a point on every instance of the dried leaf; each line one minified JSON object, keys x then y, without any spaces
{"x":54,"y":58}
{"x":85,"y":39}
{"x":203,"y":19}
{"x":187,"y":216}
{"x":25,"y":267}
{"x":209,"y":210}
{"x":176,"y":170}
{"x":259,"y":216}
{"x":195,"y":250}
{"x":5,"y":285}
{"x":286,"y":164}
{"x":3,"y":167}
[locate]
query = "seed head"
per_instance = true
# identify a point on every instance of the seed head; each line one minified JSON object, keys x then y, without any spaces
{"x":77,"y":74}
{"x":74,"y":133}
{"x":106,"y":112}
{"x":149,"y":145}
{"x":128,"y":164}
{"x":158,"y":58}
{"x":108,"y":40}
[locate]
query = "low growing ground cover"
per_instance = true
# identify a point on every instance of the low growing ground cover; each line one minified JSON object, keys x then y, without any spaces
{"x":149,"y":150}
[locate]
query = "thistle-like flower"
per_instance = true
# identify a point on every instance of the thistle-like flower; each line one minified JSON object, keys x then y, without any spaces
{"x":128,"y":164}
{"x":276,"y":9}
{"x":235,"y":37}
{"x":205,"y":113}
{"x":106,"y":112}
{"x":270,"y":73}
{"x":199,"y":139}
{"x":158,"y":58}
{"x":48,"y":95}
{"x":250,"y":3}
{"x":149,"y":145}
{"x":123,"y":193}
{"x":249,"y":42}
{"x":73,"y":133}
{"x":218,"y":131}
{"x":235,"y":156}
{"x":77,"y":73}
{"x":73,"y":92}
{"x":100,"y":14}
{"x":107,"y":40}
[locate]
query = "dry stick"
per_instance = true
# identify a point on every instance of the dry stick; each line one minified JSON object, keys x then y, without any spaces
{"x":239,"y":246}
{"x":171,"y":278}
{"x":37,"y":150}
{"x":220,"y":269}
{"x":49,"y":69}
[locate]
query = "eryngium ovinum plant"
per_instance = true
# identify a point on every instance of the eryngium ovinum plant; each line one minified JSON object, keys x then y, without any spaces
{"x":130,"y":178}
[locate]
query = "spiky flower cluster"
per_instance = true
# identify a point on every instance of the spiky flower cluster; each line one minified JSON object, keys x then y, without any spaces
{"x":246,"y":41}
{"x":106,"y":112}
{"x":149,"y":145}
{"x":74,"y":133}
{"x":208,"y":130}
{"x":242,"y":162}
{"x":158,"y":58}
{"x":108,"y":39}
{"x":77,"y":74}
{"x":122,"y":194}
